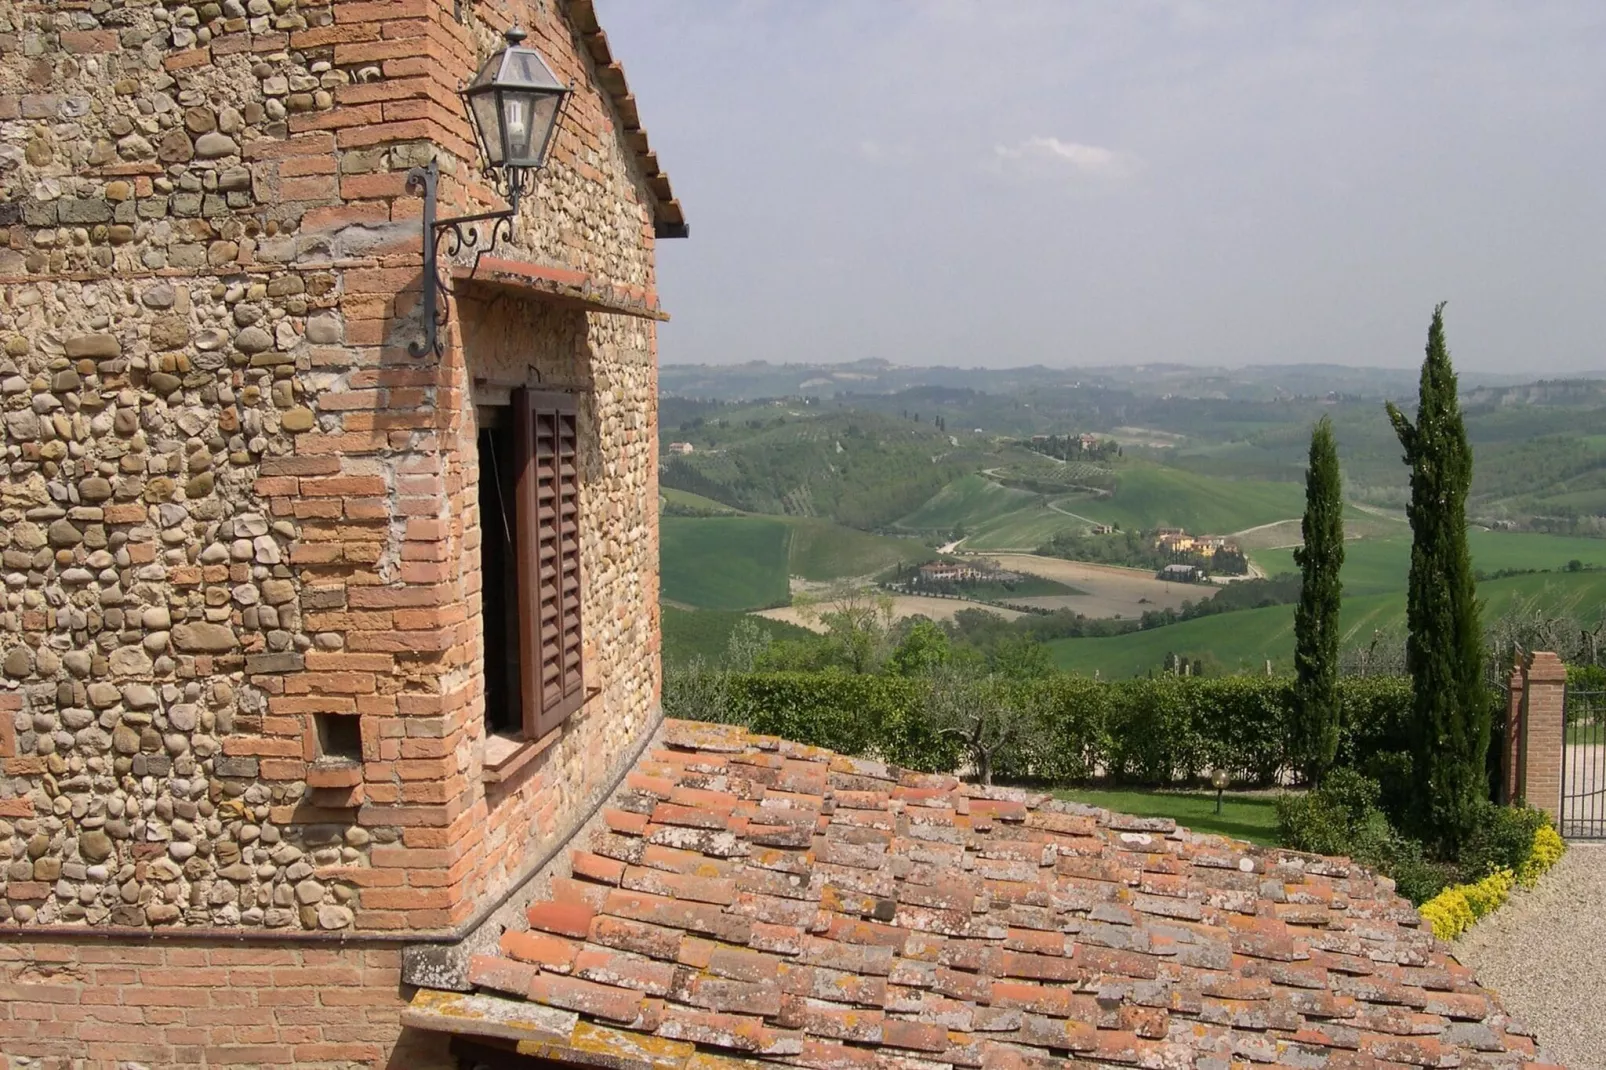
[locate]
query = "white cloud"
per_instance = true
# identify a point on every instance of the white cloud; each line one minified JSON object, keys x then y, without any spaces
{"x":1049,"y":153}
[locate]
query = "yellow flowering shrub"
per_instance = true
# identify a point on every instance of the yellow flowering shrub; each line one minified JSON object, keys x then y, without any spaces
{"x":1448,"y":913}
{"x":1452,"y":911}
{"x":1547,"y":850}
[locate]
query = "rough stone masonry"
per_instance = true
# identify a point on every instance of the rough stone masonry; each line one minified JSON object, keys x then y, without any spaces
{"x":231,"y":501}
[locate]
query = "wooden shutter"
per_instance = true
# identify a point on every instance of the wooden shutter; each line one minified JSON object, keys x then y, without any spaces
{"x":547,"y":440}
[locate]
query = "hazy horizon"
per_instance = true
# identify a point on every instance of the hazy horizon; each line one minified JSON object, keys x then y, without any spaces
{"x":960,"y":183}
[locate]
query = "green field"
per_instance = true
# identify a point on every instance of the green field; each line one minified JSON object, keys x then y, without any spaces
{"x":823,"y":551}
{"x":687,"y":500}
{"x":970,"y":501}
{"x":744,"y":562}
{"x":995,"y":517}
{"x":1372,"y":566}
{"x":1025,"y":587}
{"x":1246,"y":639}
{"x":705,"y":633}
{"x":1243,"y":817}
{"x":1149,"y":496}
{"x":725,"y":562}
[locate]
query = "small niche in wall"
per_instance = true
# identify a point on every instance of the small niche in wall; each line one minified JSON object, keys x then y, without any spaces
{"x":339,"y":736}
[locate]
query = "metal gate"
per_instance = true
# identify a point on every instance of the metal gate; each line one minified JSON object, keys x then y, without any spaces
{"x":1583,"y":766}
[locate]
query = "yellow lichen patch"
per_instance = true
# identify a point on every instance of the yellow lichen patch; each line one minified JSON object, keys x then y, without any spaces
{"x":706,"y":1061}
{"x":598,"y":1045}
{"x":477,"y":1014}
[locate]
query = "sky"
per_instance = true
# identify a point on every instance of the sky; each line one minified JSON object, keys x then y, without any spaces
{"x":998,"y":183}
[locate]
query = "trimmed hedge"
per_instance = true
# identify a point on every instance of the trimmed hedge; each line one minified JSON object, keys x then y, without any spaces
{"x":1157,"y":731}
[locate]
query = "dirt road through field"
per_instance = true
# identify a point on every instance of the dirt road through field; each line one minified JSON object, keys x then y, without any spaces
{"x":1111,"y":591}
{"x":903,"y":605}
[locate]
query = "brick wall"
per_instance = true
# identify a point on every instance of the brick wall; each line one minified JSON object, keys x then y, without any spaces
{"x":157,"y":1004}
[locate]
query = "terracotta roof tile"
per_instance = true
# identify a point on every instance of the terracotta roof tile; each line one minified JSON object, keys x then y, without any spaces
{"x":756,"y":899}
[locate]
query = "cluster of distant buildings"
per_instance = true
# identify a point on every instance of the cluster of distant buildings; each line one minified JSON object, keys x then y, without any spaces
{"x":1085,"y":441}
{"x":937,"y":572}
{"x":1202,"y":548}
{"x":1178,"y":541}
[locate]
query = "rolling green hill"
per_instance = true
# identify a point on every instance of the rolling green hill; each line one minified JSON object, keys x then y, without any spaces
{"x":1244,"y":640}
{"x":823,"y":551}
{"x":968,"y":502}
{"x":996,"y":517}
{"x":724,"y":562}
{"x":862,"y":469}
{"x":1372,"y":566}
{"x":670,"y":498}
{"x":1148,"y":496}
{"x":744,"y":562}
{"x":705,"y":633}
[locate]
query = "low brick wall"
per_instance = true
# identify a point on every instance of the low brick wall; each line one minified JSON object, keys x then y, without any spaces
{"x":72,"y":1002}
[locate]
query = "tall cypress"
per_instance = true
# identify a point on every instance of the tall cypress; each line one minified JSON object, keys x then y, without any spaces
{"x":1444,"y":651}
{"x":1316,"y":708}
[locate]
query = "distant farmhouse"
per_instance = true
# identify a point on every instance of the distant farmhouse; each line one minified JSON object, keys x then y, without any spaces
{"x":681,"y":447}
{"x":1178,"y":541}
{"x":1181,"y":573}
{"x":945,"y":573}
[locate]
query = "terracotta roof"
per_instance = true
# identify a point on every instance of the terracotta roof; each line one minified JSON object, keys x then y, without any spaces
{"x":669,"y":220}
{"x":753,"y":898}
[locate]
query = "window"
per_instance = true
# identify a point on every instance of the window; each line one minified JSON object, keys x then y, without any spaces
{"x":529,"y":497}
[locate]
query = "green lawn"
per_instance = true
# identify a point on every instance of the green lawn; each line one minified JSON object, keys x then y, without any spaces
{"x":725,"y":562}
{"x":1244,"y":640}
{"x":1244,"y":817}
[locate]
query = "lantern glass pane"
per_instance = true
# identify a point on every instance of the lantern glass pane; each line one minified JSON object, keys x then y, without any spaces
{"x":518,"y":118}
{"x":488,"y":73}
{"x":527,"y":68}
{"x":485,"y":117}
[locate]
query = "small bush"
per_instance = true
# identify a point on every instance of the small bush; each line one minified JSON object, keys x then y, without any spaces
{"x":1311,"y":822}
{"x":1342,"y":818}
{"x":1332,"y":819}
{"x":1502,"y":838}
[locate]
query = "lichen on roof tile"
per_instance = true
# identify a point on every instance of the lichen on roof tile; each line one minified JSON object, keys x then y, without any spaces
{"x":750,"y":899}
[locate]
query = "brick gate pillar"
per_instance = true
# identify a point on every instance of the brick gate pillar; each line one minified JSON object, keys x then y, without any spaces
{"x":1511,"y":743}
{"x":1543,"y":697}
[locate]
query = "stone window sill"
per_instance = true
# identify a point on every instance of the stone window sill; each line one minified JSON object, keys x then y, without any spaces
{"x":504,"y":757}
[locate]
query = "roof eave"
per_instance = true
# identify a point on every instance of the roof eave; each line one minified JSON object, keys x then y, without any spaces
{"x":669,"y":221}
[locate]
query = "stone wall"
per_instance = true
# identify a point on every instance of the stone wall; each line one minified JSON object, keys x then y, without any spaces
{"x":231,"y":501}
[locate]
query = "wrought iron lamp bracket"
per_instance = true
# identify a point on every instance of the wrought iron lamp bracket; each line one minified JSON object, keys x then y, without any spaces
{"x":458,"y":233}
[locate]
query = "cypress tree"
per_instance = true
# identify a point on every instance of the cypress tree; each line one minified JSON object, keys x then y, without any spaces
{"x":1316,"y":708}
{"x":1444,"y":650}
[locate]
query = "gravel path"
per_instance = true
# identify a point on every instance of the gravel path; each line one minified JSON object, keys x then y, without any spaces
{"x":1545,"y":953}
